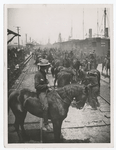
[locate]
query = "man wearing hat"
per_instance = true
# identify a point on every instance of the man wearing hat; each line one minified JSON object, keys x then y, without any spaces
{"x":41,"y":86}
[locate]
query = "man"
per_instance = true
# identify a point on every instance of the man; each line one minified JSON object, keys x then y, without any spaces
{"x":76,"y":64}
{"x":41,"y":86}
{"x":94,"y":59}
{"x":92,"y":81}
{"x":66,"y":61}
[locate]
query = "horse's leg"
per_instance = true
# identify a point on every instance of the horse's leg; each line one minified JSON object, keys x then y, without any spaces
{"x":22,"y":119}
{"x":57,"y":130}
{"x":97,"y":102}
{"x":52,"y":71}
{"x":102,"y":67}
{"x":55,"y":81}
{"x":16,"y":125}
{"x":106,"y":71}
{"x":109,"y":77}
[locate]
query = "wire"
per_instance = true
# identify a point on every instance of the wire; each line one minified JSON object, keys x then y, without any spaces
{"x":101,"y":24}
{"x":99,"y":29}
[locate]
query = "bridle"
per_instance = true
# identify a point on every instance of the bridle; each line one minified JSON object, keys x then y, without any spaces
{"x":69,"y":99}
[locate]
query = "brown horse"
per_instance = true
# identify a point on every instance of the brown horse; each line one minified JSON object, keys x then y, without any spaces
{"x":59,"y":101}
{"x":64,"y":76}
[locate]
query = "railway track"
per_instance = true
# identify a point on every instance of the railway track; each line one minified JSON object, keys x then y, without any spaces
{"x":101,"y":95}
{"x":105,"y":81}
{"x":105,"y":99}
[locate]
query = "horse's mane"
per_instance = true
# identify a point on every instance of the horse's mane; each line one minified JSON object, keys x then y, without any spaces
{"x":70,"y":89}
{"x":24,"y":90}
{"x":63,"y":73}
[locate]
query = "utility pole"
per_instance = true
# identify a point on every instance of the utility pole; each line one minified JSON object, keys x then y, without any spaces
{"x":83,"y":23}
{"x":30,"y":39}
{"x":26,"y":39}
{"x":18,"y":36}
{"x":59,"y":38}
{"x":71,"y":29}
{"x":22,"y":42}
{"x":97,"y":23}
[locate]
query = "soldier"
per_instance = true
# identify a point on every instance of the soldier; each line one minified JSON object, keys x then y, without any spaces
{"x":41,"y":86}
{"x":95,"y":59}
{"x":94,"y":53}
{"x":92,"y":81}
{"x":108,"y":54}
{"x":92,"y":57}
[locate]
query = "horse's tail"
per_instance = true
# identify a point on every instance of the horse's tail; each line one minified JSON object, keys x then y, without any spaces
{"x":9,"y":93}
{"x":8,"y":107}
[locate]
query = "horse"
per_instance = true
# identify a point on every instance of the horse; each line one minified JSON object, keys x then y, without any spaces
{"x":64,"y":76}
{"x":24,"y":100}
{"x":95,"y":72}
{"x":55,"y":66}
{"x":106,"y":65}
{"x":83,"y":74}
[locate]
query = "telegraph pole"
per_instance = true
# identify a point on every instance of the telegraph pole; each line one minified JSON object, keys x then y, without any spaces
{"x":83,"y":23}
{"x":97,"y":24}
{"x":18,"y":36}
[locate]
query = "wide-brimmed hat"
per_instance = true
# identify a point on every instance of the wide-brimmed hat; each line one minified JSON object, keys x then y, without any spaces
{"x":39,"y":56}
{"x":43,"y":62}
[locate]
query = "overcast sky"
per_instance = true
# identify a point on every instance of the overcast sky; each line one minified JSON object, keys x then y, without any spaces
{"x":41,"y":22}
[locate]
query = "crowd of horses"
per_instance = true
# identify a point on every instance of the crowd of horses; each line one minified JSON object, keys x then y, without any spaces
{"x":71,"y":85}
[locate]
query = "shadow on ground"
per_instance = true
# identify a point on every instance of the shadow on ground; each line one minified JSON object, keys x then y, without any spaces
{"x":34,"y":137}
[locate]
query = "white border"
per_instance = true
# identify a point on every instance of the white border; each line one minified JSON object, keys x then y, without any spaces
{"x":59,"y":2}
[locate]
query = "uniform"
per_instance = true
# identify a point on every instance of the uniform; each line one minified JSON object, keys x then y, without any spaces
{"x":93,"y":83}
{"x":41,"y":86}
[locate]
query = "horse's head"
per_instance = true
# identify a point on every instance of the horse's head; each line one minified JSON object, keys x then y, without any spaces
{"x":81,"y":99}
{"x":84,"y":97}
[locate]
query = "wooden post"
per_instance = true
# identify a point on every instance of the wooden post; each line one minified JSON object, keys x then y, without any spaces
{"x":41,"y":128}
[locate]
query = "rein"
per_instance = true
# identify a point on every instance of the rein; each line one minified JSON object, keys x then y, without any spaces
{"x":66,"y":97}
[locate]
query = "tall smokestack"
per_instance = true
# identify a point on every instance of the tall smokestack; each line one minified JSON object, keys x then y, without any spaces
{"x":90,"y":33}
{"x":105,"y":22}
{"x":106,"y":32}
{"x":26,"y":38}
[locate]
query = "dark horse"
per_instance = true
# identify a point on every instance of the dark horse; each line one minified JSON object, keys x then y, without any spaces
{"x":59,"y":100}
{"x":64,"y":76}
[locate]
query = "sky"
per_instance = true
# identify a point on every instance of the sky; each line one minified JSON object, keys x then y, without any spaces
{"x":43,"y":22}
